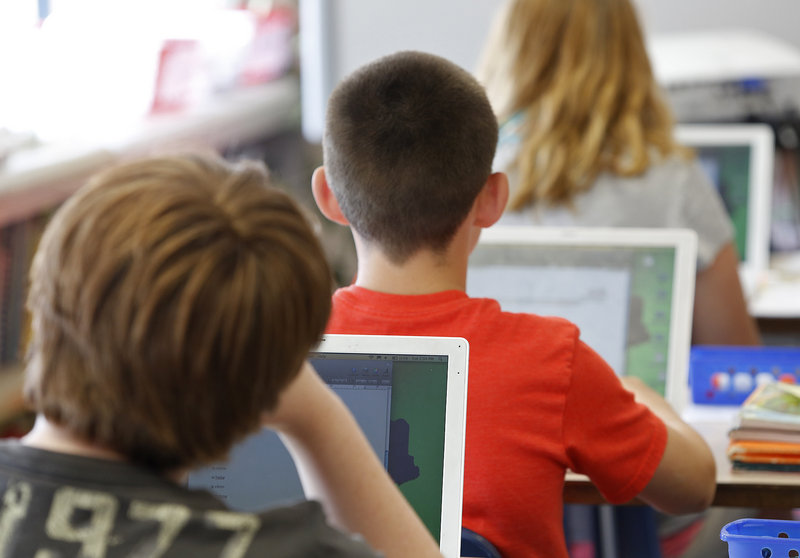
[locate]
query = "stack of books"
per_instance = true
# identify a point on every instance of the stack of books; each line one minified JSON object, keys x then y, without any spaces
{"x":766,"y":434}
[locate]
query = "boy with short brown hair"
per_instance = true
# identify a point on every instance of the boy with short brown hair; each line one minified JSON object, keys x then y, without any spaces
{"x":173,"y":303}
{"x":408,"y":148}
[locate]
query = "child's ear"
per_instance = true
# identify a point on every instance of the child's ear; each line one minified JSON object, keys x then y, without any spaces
{"x":326,"y":201}
{"x":492,"y":200}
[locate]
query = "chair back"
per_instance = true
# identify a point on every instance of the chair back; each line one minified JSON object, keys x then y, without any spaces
{"x":474,"y":545}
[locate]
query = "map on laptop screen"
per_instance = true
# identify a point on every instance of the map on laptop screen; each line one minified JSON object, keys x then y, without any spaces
{"x":630,"y":291}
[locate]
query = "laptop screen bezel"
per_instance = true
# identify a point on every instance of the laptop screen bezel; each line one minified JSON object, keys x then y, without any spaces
{"x":457,"y":352}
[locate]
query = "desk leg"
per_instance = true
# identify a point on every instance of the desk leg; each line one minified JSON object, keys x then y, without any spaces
{"x":608,"y":531}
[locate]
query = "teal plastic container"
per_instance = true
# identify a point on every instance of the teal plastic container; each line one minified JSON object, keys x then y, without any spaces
{"x":762,"y":538}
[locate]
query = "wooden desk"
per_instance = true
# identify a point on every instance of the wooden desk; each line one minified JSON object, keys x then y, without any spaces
{"x":776,"y":292}
{"x":755,"y":489}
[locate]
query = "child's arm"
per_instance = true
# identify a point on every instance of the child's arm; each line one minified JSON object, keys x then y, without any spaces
{"x":720,"y":309}
{"x":339,"y":468}
{"x":685,"y":480}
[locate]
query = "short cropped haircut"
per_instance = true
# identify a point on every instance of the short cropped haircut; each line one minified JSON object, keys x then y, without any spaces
{"x":408,"y":145}
{"x":172,"y":300}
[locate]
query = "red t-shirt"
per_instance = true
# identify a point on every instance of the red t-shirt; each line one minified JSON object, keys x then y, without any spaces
{"x":539,"y":401}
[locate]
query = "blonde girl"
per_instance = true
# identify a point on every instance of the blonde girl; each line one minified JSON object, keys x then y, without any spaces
{"x":587,"y":140}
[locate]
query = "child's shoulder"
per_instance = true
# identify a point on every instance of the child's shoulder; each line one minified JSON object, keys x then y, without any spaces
{"x":550,"y":326}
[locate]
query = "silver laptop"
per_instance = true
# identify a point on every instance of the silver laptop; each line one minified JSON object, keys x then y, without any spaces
{"x":739,"y":160}
{"x":630,"y":291}
{"x":408,"y":394}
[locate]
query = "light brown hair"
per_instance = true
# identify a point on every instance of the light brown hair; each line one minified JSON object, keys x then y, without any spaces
{"x":578,"y":73}
{"x":172,"y":300}
{"x":408,"y":145}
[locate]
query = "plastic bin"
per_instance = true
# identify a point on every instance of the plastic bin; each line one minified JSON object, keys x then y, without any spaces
{"x":762,"y":538}
{"x":727,"y":375}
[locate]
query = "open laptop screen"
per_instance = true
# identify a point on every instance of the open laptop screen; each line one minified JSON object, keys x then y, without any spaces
{"x":400,"y":400}
{"x":739,"y":160}
{"x":629,"y":291}
{"x":728,"y":167}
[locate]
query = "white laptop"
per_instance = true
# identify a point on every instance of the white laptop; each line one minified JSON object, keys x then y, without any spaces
{"x":630,"y":291}
{"x":739,"y":159}
{"x":408,"y":394}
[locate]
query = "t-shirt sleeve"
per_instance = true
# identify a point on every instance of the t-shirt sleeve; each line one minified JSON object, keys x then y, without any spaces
{"x":615,"y":441}
{"x":704,"y":211}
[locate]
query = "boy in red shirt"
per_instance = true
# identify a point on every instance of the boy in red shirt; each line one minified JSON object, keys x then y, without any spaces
{"x":408,"y":150}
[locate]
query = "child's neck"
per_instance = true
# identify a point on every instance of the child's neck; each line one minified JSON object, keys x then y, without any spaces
{"x":49,"y":436}
{"x":426,"y":272}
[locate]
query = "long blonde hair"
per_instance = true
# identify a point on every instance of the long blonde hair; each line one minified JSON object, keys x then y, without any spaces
{"x":578,"y":73}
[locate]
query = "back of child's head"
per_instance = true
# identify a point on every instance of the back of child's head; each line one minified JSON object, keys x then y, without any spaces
{"x":557,"y":47}
{"x":408,"y":145}
{"x":579,"y":71}
{"x":172,"y":300}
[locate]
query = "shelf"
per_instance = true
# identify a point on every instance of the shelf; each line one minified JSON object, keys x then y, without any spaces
{"x":36,"y":179}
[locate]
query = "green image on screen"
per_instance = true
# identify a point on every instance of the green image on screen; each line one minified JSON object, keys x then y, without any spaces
{"x":652,"y":271}
{"x":619,"y":296}
{"x":728,"y":167}
{"x":418,"y":399}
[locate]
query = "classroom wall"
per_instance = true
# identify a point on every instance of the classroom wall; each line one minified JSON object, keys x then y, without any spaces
{"x":340,"y":35}
{"x":776,"y":17}
{"x":364,"y":29}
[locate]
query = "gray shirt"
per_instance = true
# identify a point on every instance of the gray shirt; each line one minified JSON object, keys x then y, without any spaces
{"x":56,"y":505}
{"x":675,"y":193}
